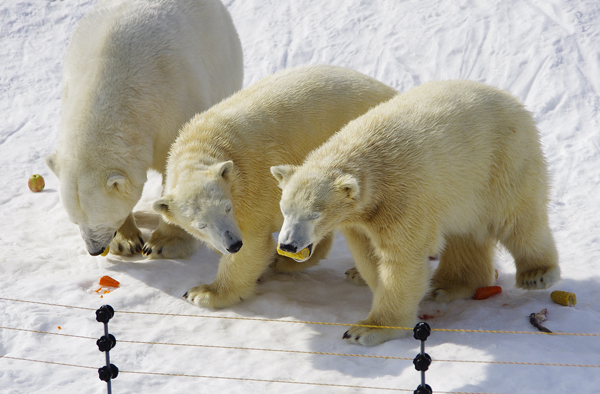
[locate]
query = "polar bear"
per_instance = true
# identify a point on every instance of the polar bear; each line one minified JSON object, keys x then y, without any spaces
{"x":450,"y":167}
{"x":134,"y":73}
{"x":218,"y":184}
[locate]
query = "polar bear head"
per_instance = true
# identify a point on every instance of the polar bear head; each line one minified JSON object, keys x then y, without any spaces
{"x":200,"y":202}
{"x":97,"y":199}
{"x":313,"y":202}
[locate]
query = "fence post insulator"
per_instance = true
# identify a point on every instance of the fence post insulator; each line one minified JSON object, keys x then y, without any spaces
{"x":104,"y":313}
{"x":106,"y":343}
{"x":422,"y":331}
{"x":422,"y":362}
{"x":105,"y":374}
{"x":423,"y":390}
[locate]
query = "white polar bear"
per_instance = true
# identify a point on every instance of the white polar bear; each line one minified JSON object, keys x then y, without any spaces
{"x":218,"y":184}
{"x":450,"y":167}
{"x":134,"y":73}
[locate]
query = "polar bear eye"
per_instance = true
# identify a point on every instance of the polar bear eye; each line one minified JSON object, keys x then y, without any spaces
{"x":201,"y":226}
{"x":228,"y":208}
{"x":314,"y":216}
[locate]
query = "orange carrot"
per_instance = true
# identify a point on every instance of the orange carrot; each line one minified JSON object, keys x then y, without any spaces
{"x":484,"y":292}
{"x":108,"y":281}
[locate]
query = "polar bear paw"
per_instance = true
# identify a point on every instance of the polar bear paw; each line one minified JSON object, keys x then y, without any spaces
{"x":206,"y":296}
{"x":371,"y":336}
{"x":168,"y":246}
{"x":538,"y":279}
{"x":355,"y":277}
{"x":127,"y":244}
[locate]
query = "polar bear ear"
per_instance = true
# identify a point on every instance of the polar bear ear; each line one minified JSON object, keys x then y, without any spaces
{"x":162,"y":205}
{"x":223,"y":169}
{"x":283,"y":173}
{"x":348,"y":185}
{"x":51,"y":163}
{"x":115,"y":180}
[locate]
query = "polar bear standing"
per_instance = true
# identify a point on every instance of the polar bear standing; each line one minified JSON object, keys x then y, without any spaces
{"x":450,"y":167}
{"x":219,"y":187}
{"x":134,"y":73}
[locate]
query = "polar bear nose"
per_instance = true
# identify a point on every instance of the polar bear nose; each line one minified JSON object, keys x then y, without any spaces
{"x":288,"y":248}
{"x":235,"y":247}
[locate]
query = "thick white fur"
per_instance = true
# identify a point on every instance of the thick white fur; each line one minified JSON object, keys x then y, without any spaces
{"x":450,"y":167}
{"x":222,"y":157}
{"x":134,"y":73}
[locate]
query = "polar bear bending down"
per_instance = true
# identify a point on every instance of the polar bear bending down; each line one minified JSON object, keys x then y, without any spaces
{"x":450,"y":167}
{"x":134,"y":73}
{"x":219,"y":187}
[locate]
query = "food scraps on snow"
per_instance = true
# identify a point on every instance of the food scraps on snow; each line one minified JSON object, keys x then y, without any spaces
{"x":107,"y":281}
{"x":485,"y":292}
{"x":564,"y":298}
{"x":536,"y":320}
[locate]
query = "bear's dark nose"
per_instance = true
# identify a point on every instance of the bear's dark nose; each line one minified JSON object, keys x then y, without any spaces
{"x":235,"y":247}
{"x":96,"y":252}
{"x":288,"y":248}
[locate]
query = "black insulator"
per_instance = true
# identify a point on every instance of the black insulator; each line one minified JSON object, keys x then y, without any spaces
{"x":423,"y":390}
{"x":422,"y":362}
{"x":105,"y":343}
{"x":105,"y":374}
{"x":105,"y":313}
{"x":422,"y":331}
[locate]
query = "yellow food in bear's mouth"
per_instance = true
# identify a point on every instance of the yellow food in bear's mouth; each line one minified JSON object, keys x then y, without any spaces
{"x":300,"y":256}
{"x":105,"y":251}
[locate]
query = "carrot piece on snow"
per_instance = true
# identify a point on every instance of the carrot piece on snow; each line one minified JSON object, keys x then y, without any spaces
{"x":484,"y":292}
{"x":108,"y":281}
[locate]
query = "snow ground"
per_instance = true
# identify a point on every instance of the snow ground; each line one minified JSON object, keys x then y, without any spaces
{"x":546,"y":52}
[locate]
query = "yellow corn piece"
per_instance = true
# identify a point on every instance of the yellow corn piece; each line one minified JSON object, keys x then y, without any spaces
{"x":564,"y":298}
{"x":301,"y":255}
{"x":105,"y":251}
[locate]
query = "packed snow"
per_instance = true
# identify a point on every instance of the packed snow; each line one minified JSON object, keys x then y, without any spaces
{"x":546,"y":52}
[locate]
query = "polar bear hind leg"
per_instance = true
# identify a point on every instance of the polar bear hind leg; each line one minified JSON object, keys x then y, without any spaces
{"x":532,"y":246}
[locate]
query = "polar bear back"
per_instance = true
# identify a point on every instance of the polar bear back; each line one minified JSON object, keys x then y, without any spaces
{"x":140,"y":70}
{"x":471,"y":149}
{"x":284,"y":116}
{"x":279,"y":119}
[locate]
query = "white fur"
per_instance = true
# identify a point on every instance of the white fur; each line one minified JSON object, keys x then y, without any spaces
{"x":451,"y":167}
{"x":134,"y":73}
{"x":222,"y":158}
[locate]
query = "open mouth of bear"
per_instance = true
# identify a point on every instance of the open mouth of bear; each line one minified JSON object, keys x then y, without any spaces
{"x":300,"y":256}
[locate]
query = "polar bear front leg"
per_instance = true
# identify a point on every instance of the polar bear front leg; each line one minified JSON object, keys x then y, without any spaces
{"x":169,"y":241}
{"x":128,"y":241}
{"x":237,"y":275}
{"x":401,"y":284}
